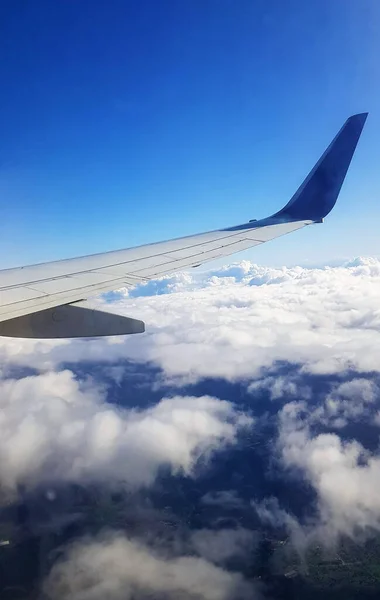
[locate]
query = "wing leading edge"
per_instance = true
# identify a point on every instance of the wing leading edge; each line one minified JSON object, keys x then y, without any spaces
{"x":34,"y":299}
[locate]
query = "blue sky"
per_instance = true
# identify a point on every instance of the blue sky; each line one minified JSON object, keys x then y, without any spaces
{"x":128,"y":122}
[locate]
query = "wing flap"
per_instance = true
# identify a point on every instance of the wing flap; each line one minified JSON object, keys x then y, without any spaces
{"x":70,"y":321}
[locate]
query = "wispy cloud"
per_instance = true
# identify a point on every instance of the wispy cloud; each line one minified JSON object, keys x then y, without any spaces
{"x":118,"y":568}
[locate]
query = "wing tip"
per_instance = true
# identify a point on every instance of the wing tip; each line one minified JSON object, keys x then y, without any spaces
{"x":317,"y":195}
{"x":359,"y":116}
{"x":358,"y":119}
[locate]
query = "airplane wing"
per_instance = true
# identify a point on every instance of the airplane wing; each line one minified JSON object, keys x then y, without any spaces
{"x":47,"y":300}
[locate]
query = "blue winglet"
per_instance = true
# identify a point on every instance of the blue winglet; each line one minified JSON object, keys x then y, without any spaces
{"x":316,"y":197}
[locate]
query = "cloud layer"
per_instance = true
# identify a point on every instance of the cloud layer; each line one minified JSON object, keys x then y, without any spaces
{"x":234,"y":322}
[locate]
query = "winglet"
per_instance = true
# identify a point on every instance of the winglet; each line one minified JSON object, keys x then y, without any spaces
{"x":317,"y":195}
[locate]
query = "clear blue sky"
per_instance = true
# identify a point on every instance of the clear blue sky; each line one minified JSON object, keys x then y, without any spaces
{"x":124,"y":122}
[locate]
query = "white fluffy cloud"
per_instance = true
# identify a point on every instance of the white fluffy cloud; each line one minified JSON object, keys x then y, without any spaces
{"x":344,"y":474}
{"x":54,"y":428}
{"x":349,"y":401}
{"x":117,"y":568}
{"x":234,"y":323}
{"x":279,"y":386}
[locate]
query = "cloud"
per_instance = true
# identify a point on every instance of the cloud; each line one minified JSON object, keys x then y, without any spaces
{"x":219,"y":546}
{"x":54,"y":427}
{"x":271,"y":513}
{"x":345,"y":475}
{"x":118,"y":568}
{"x":326,"y":320}
{"x":350,"y":401}
{"x":279,"y":386}
{"x":244,"y":272}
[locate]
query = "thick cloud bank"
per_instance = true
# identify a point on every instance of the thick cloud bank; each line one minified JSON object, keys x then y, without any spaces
{"x":234,"y":322}
{"x":245,"y":318}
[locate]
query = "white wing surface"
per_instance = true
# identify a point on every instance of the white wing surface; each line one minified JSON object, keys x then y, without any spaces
{"x":40,"y":300}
